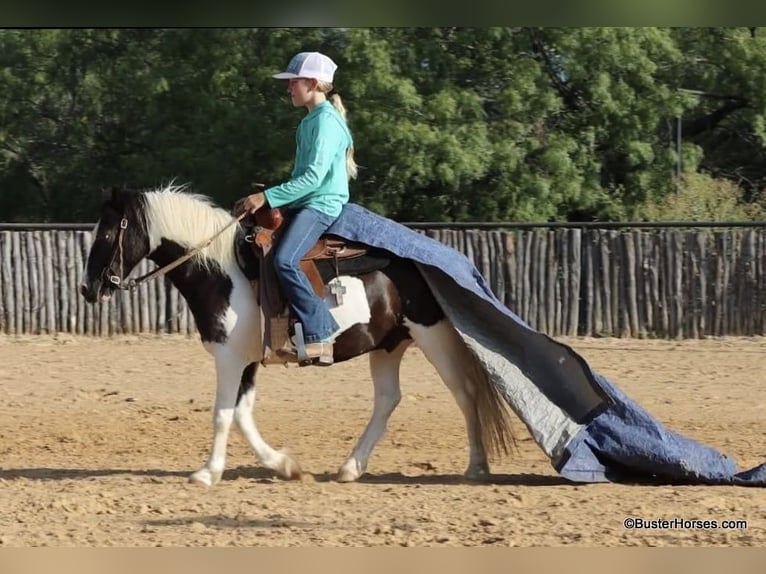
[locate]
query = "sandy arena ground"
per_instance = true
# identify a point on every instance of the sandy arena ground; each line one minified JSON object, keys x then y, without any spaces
{"x":97,"y":438}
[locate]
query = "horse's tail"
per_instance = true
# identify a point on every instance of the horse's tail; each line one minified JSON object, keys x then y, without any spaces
{"x":497,"y":435}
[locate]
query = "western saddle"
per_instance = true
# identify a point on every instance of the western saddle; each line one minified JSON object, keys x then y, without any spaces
{"x":274,"y":309}
{"x":268,"y":222}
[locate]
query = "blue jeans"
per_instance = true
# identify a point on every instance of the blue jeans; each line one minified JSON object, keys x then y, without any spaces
{"x":304,"y":227}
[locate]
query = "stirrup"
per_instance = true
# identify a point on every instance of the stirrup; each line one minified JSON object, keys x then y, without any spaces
{"x":300,"y":351}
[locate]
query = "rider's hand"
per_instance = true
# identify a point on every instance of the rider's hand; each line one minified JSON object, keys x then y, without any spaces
{"x":250,"y":204}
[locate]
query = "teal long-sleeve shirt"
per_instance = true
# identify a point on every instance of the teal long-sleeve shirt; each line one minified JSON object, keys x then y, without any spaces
{"x":319,"y":178}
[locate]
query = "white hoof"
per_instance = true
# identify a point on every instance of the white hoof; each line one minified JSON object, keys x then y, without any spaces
{"x":350,"y":471}
{"x":288,"y":468}
{"x":205,"y":477}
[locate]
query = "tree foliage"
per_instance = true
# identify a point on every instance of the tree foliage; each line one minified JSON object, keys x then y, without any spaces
{"x":452,"y":124}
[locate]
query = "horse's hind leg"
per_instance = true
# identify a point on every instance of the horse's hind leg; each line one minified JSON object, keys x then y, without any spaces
{"x":384,"y":367}
{"x":230,"y":372}
{"x":444,"y":349}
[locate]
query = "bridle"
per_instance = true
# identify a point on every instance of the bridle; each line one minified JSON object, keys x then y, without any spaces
{"x":116,"y":279}
{"x":120,"y":283}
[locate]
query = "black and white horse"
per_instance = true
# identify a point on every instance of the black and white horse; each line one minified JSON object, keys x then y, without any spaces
{"x":383,"y":312}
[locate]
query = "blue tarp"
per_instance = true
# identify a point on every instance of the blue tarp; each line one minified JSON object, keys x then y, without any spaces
{"x":591,"y":431}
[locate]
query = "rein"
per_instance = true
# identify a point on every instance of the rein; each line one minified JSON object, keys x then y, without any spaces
{"x":123,"y":285}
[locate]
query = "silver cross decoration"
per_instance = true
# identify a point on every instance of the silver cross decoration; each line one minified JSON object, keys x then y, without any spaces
{"x":337,"y":289}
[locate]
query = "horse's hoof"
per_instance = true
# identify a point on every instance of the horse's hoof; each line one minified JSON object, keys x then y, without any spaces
{"x":289,"y":469}
{"x":205,"y":477}
{"x":477,"y":473}
{"x":349,"y":472}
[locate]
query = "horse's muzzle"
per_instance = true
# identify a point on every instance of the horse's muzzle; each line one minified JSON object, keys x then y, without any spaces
{"x":90,"y":291}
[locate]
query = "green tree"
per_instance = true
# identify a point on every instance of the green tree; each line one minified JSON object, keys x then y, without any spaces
{"x":449,"y":123}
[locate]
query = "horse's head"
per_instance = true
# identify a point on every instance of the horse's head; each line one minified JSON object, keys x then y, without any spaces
{"x":120,"y":241}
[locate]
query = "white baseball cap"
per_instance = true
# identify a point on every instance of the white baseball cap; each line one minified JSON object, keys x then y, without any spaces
{"x":309,"y":65}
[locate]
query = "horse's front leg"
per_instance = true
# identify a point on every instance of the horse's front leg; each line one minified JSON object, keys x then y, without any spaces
{"x":229,"y":368}
{"x":234,"y":401}
{"x":278,"y":461}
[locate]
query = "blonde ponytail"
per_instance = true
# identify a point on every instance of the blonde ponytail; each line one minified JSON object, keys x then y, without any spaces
{"x":337,"y":103}
{"x":351,"y":166}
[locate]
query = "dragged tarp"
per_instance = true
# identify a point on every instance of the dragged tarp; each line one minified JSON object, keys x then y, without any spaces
{"x":588,"y":428}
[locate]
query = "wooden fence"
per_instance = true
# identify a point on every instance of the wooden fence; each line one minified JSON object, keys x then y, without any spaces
{"x":670,"y":283}
{"x":40,"y":273}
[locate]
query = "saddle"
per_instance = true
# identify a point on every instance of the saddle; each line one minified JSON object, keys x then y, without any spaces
{"x":275,"y":314}
{"x":268,"y":222}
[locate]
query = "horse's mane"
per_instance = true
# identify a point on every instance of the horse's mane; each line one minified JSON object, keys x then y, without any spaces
{"x":189,"y":219}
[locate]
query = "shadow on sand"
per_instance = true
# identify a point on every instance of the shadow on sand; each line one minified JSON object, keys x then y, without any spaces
{"x":267,"y":476}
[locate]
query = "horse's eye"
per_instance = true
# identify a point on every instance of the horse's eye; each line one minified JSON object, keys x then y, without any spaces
{"x":107,"y":236}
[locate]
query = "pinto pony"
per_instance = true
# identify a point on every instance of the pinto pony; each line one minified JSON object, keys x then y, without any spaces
{"x":384,"y":311}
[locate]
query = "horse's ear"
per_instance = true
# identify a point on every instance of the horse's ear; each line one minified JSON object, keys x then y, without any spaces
{"x":114,"y":194}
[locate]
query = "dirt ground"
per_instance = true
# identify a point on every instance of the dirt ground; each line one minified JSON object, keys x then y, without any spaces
{"x":98,"y":437}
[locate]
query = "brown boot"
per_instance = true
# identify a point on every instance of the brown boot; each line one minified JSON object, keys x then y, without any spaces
{"x":320,"y":354}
